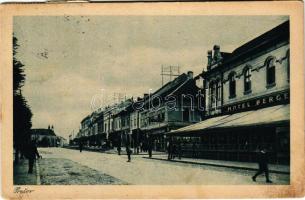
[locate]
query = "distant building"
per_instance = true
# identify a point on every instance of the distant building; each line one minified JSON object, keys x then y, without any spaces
{"x":61,"y":141}
{"x":44,"y":137}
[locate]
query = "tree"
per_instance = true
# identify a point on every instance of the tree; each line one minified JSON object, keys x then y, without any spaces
{"x":18,"y":71}
{"x":22,"y":114}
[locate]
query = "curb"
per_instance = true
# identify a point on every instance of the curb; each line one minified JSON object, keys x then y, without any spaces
{"x":217,"y":165}
{"x":37,"y":173}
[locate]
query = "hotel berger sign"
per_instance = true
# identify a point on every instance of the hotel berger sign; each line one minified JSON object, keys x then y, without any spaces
{"x":256,"y":103}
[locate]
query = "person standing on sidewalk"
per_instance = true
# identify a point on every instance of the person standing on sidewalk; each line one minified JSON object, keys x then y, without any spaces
{"x":169,"y":150}
{"x":263,"y":165}
{"x":194,"y":149}
{"x":31,"y":153}
{"x":80,"y":146}
{"x":174,"y":151}
{"x":179,"y":150}
{"x":119,"y":148}
{"x":150,"y":148}
{"x":128,"y":151}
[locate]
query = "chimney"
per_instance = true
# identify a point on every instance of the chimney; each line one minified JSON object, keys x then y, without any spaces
{"x":217,"y":54}
{"x":190,"y":74}
{"x":210,"y":59}
{"x":145,"y":96}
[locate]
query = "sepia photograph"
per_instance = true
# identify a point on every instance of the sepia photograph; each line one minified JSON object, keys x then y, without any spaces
{"x":177,"y":94}
{"x":151,"y":100}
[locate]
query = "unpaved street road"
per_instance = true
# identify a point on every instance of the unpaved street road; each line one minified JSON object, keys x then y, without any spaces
{"x":141,"y":171}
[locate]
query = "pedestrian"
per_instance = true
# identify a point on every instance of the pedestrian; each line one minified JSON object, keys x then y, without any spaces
{"x":141,"y":147}
{"x":174,"y":151}
{"x":194,"y":149}
{"x":179,"y":150}
{"x":80,"y":146}
{"x":31,"y":153}
{"x":119,"y":150}
{"x":263,"y":165}
{"x":150,"y":148}
{"x":128,"y":151}
{"x":169,"y":150}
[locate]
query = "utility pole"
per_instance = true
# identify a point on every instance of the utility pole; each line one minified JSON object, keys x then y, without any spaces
{"x":171,"y":71}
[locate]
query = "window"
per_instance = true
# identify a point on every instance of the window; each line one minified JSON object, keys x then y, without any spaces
{"x":218,"y":94}
{"x":270,"y":72}
{"x":212,"y":94}
{"x":213,"y":91}
{"x":232,"y":85}
{"x":247,"y":80}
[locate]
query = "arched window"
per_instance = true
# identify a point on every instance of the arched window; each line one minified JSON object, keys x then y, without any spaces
{"x":288,"y":64}
{"x":247,"y":80}
{"x":270,"y":72}
{"x":232,"y":85}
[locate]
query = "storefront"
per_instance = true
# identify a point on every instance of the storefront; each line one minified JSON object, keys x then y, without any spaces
{"x":238,"y":136}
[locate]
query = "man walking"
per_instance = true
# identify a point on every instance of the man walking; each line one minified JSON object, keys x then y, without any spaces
{"x":128,"y":151}
{"x":263,"y":165}
{"x":150,"y":148}
{"x":119,"y":148}
{"x":194,"y":149}
{"x":169,"y":150}
{"x":179,"y":150}
{"x":31,"y":153}
{"x":80,"y":146}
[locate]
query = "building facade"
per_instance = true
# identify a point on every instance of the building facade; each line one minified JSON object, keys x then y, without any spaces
{"x":173,"y":106}
{"x":247,"y":101}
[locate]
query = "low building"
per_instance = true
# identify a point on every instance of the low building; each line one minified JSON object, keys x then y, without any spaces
{"x":44,"y":137}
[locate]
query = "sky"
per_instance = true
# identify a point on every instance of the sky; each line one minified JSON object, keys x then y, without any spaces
{"x":75,"y":64}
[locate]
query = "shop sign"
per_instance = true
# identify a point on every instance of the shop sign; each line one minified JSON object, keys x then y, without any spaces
{"x":260,"y":102}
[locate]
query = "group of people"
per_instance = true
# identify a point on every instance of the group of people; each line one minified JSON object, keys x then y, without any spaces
{"x":174,"y":150}
{"x":129,"y":151}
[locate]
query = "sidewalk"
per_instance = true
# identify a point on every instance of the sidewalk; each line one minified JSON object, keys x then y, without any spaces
{"x":280,"y":169}
{"x":114,"y":151}
{"x":21,"y":175}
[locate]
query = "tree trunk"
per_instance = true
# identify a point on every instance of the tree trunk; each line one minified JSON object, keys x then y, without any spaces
{"x":17,"y":155}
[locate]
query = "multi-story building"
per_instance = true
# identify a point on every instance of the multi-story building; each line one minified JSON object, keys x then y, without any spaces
{"x":121,"y":128}
{"x":173,"y":106}
{"x":247,"y":101}
{"x":108,"y":121}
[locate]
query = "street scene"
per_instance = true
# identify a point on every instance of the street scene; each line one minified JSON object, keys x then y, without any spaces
{"x":61,"y":166}
{"x":151,"y":100}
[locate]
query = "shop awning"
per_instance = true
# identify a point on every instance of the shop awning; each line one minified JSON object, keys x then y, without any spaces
{"x":265,"y":116}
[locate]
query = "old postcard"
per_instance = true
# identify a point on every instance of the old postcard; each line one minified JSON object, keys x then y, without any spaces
{"x":152,"y":100}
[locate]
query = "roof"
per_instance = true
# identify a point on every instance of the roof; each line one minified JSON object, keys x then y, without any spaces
{"x":123,"y":106}
{"x":170,"y":86}
{"x":278,"y":34}
{"x":43,"y":131}
{"x":265,"y":116}
{"x":86,"y":118}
